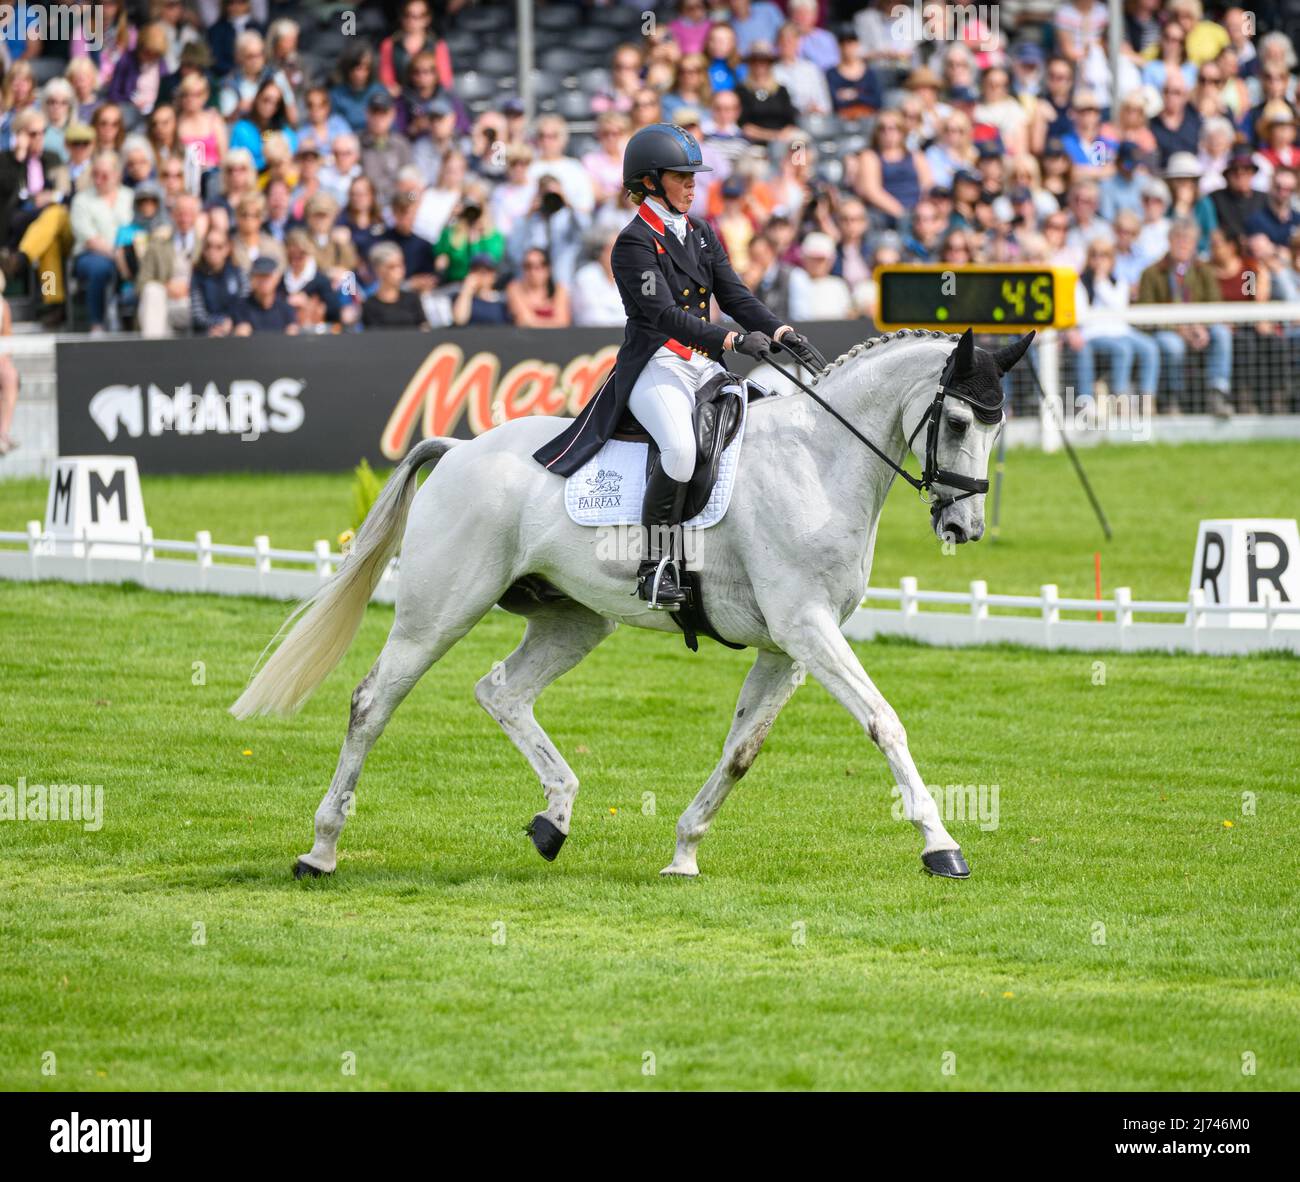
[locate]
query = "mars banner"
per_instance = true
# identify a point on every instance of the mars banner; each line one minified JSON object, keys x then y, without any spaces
{"x":275,"y":403}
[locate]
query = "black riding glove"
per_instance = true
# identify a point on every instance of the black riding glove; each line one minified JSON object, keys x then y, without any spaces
{"x":753,"y":344}
{"x":801,"y":347}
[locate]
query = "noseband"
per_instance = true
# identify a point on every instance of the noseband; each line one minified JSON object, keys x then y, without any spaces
{"x":931,"y":473}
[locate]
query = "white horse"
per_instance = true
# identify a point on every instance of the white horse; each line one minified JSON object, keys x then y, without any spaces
{"x":782,"y":571}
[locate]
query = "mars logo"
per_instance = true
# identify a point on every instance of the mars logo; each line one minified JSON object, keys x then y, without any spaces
{"x":604,"y":491}
{"x":447,"y":388}
{"x":249,"y":409}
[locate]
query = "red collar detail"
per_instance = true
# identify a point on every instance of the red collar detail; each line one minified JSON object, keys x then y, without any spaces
{"x":652,"y":219}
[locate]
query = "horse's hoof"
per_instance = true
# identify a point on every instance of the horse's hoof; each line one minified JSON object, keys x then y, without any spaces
{"x":945,"y":864}
{"x":303,"y":869}
{"x":546,"y":837}
{"x":675,"y":871}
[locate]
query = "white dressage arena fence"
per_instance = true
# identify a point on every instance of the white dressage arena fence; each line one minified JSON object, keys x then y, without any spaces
{"x":973,"y":617}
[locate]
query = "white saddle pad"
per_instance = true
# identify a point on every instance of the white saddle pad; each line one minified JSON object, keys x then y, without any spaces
{"x":608,"y":488}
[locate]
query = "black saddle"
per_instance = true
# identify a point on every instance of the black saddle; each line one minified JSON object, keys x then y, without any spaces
{"x":717,"y":419}
{"x":718,"y":413}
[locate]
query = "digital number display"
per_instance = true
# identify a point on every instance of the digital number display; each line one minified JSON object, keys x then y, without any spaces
{"x":984,"y":298}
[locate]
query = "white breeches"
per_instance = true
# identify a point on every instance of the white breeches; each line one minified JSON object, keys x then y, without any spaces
{"x":663,"y":400}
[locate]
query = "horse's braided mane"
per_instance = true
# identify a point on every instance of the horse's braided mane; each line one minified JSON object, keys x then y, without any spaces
{"x":883,"y":339}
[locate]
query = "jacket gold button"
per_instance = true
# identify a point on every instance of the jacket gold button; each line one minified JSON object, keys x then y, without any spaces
{"x":701,"y":291}
{"x":686,"y":291}
{"x":701,"y":302}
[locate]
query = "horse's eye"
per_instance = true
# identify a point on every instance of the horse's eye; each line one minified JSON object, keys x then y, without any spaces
{"x":958,"y":426}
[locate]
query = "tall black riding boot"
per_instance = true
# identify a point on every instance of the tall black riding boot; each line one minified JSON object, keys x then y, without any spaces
{"x":661,"y":516}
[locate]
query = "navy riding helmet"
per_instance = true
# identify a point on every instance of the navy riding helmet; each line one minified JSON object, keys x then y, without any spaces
{"x":655,"y":149}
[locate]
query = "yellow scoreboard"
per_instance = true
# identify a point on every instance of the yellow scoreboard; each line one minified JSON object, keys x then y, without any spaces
{"x":987,"y":298}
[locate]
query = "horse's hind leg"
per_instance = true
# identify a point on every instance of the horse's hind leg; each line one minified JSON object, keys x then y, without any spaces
{"x":558,"y":636}
{"x":407,"y":654}
{"x":403,"y":661}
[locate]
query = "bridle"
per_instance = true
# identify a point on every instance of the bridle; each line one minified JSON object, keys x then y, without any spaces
{"x":931,"y":473}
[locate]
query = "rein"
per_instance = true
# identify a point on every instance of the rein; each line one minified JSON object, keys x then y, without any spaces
{"x":931,"y":473}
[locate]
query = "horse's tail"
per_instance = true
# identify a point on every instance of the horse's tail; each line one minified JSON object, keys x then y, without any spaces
{"x":323,"y":626}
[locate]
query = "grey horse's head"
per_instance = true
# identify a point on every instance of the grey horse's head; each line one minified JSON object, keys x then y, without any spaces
{"x":968,"y":427}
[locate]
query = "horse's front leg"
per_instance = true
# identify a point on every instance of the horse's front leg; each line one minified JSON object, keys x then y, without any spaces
{"x":767,"y":688}
{"x":817,"y":642}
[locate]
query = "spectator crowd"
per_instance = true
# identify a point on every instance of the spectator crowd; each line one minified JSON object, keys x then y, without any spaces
{"x":226,"y":168}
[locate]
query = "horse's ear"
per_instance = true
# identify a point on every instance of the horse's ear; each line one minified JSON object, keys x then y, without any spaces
{"x":1006,"y":357}
{"x":964,"y":360}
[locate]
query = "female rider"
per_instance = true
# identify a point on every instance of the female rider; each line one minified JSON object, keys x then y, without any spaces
{"x":667,"y":267}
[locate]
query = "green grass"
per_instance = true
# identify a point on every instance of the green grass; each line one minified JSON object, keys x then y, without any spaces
{"x":1112,"y":803}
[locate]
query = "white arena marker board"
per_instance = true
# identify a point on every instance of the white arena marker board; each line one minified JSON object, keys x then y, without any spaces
{"x":1240,"y":560}
{"x":95,"y":502}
